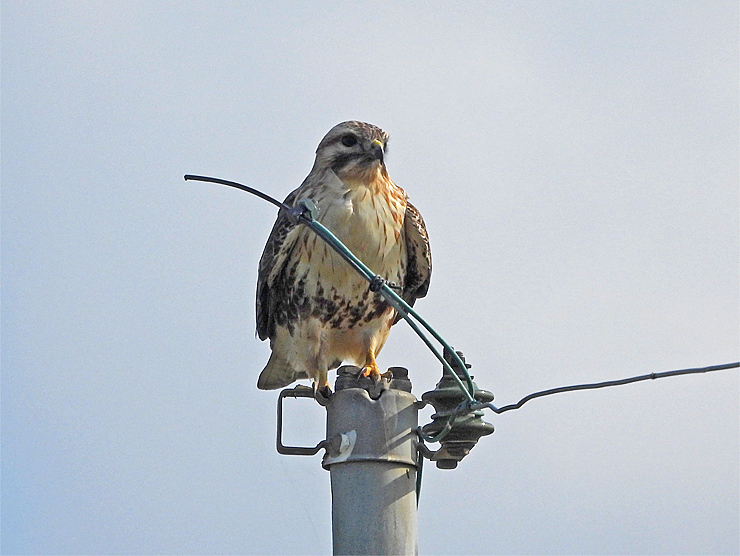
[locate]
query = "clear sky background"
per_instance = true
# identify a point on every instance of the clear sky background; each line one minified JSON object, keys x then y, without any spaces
{"x":577,"y":167}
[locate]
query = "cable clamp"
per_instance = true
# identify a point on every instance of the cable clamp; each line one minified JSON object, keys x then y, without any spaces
{"x":377,"y":283}
{"x":305,"y":211}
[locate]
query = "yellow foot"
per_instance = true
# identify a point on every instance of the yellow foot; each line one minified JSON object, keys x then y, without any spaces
{"x":371,"y":367}
{"x":371,"y":370}
{"x":388,"y":375}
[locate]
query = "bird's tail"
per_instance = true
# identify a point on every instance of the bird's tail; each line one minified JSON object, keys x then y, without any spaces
{"x":278,"y":373}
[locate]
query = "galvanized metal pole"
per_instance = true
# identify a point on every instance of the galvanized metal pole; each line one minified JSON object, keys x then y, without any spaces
{"x":372,"y":457}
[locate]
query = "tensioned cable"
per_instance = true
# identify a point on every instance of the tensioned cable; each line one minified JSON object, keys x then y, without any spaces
{"x":605,"y":384}
{"x":306,"y":214}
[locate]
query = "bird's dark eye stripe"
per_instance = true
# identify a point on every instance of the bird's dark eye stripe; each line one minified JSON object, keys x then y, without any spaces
{"x":349,"y":140}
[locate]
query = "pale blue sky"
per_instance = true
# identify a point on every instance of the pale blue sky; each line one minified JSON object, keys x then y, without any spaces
{"x":577,"y":167}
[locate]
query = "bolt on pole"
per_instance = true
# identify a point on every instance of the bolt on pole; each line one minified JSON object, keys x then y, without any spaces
{"x":372,"y":454}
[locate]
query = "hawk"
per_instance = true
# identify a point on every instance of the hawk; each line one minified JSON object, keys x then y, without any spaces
{"x":317,"y":311}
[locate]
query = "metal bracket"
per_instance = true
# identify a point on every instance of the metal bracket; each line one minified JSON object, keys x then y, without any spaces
{"x":299,"y":391}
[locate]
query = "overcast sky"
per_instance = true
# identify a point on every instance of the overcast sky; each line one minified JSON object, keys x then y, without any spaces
{"x":577,"y":167}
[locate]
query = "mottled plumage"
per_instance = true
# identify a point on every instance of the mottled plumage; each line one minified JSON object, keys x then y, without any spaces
{"x":315,"y":309}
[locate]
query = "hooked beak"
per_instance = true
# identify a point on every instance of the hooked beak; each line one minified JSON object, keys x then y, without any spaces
{"x":376,"y":148}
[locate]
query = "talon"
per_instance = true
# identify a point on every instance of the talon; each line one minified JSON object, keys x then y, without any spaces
{"x":371,"y":370}
{"x":321,"y":391}
{"x":371,"y":367}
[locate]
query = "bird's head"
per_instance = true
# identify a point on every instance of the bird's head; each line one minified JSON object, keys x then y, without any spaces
{"x":355,"y":151}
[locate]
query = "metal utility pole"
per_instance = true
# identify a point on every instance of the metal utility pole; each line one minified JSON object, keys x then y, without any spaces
{"x":371,"y":454}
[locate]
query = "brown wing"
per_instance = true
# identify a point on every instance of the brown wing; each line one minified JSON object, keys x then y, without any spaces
{"x":419,"y":263}
{"x":267,"y":296}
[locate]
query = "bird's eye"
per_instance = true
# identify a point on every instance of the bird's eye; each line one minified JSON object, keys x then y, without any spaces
{"x":349,"y":140}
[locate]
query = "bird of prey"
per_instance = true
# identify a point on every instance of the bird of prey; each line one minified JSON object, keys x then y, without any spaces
{"x":317,"y":311}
